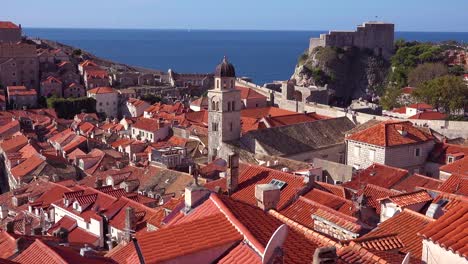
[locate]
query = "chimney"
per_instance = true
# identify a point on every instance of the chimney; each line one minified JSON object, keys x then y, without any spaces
{"x":98,"y":183}
{"x":195,"y":195}
{"x":130,"y":223}
{"x":10,"y":227}
{"x":27,"y":226}
{"x":86,"y":251}
{"x":232,"y":174}
{"x":325,"y":255}
{"x":3,"y":211}
{"x":62,"y":234}
{"x":267,"y":195}
{"x":21,"y":245}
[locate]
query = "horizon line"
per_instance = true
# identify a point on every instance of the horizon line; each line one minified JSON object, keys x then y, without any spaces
{"x":208,"y":29}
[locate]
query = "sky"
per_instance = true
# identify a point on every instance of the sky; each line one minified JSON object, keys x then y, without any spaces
{"x":408,"y":15}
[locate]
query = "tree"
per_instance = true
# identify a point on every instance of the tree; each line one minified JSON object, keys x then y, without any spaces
{"x":390,"y":98}
{"x":447,"y":92}
{"x":426,"y":72}
{"x":77,"y":52}
{"x":151,"y":98}
{"x":457,"y":70}
{"x":68,"y":108}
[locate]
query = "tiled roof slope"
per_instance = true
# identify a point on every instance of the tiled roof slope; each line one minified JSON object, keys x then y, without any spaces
{"x":459,"y":166}
{"x":302,"y":137}
{"x":377,"y":174}
{"x":253,"y":175}
{"x":416,"y":181}
{"x":450,"y":231}
{"x":386,"y":134}
{"x":406,"y":199}
{"x":456,"y":184}
{"x":373,"y":193}
{"x":332,"y":201}
{"x":406,"y":226}
{"x":240,"y":255}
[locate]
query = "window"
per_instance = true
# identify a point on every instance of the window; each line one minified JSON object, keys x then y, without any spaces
{"x":233,"y":105}
{"x":217,"y":83}
{"x":214,"y":127}
{"x":372,"y":154}
{"x":230,"y":126}
{"x":417,"y":152}
{"x":450,"y":159}
{"x":278,"y":183}
{"x":357,"y":151}
{"x":229,"y":106}
{"x":213,"y":105}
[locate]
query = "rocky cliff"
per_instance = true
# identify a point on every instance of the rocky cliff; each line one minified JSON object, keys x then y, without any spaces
{"x":350,"y":72}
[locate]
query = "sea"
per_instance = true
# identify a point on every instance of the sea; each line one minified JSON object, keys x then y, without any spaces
{"x":263,"y":56}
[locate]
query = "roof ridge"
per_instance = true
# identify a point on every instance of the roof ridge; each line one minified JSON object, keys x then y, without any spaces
{"x":241,"y":228}
{"x":417,"y":214}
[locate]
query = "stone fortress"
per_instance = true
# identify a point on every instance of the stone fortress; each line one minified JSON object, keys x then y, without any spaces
{"x":376,"y":36}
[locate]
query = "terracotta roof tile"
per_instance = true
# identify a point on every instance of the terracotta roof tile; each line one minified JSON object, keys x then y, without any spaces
{"x":406,"y":226}
{"x":417,"y":181}
{"x":406,"y":199}
{"x":456,"y":184}
{"x":240,"y":255}
{"x":459,"y":166}
{"x":429,"y":115}
{"x":253,"y":175}
{"x":27,"y":166}
{"x":102,"y":90}
{"x":8,"y":25}
{"x":147,"y":124}
{"x":373,"y":193}
{"x":441,"y":151}
{"x":377,"y":174}
{"x":386,"y":134}
{"x":330,"y":200}
{"x":450,"y":231}
{"x":249,"y":93}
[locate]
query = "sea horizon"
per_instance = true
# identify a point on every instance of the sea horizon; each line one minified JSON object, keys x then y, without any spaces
{"x":263,"y":55}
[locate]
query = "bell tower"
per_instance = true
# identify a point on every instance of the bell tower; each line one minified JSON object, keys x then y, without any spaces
{"x":224,"y":106}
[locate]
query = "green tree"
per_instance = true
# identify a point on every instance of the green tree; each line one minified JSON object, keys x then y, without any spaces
{"x":426,"y":72}
{"x":151,"y":98}
{"x":390,"y":99}
{"x":457,"y":70}
{"x":68,"y":108}
{"x":448,"y":92}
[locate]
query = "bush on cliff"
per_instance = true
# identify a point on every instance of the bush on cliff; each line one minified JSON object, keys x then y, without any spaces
{"x":68,"y":108}
{"x":426,"y":72}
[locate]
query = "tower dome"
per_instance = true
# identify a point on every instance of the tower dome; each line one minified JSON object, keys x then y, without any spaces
{"x":225,"y":69}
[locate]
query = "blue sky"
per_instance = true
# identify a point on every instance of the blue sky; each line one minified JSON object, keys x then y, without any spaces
{"x":408,"y":15}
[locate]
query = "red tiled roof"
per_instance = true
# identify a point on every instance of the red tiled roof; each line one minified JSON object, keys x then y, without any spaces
{"x":88,"y":63}
{"x":241,"y":254}
{"x":20,"y":90}
{"x":373,"y":193}
{"x":14,"y":144}
{"x":406,"y":199}
{"x":27,"y":166}
{"x":8,"y":25}
{"x":258,"y":113}
{"x":450,"y":231}
{"x":381,"y":242}
{"x":456,"y":184}
{"x":332,"y":201}
{"x":136,"y":102}
{"x":441,"y":151}
{"x":420,"y":106}
{"x":102,"y":90}
{"x":147,"y":124}
{"x":80,"y":235}
{"x":377,"y":174}
{"x":249,"y":93}
{"x":429,"y":115}
{"x":416,"y":181}
{"x":96,"y":73}
{"x":406,"y":226}
{"x":459,"y":166}
{"x":253,"y":175}
{"x":335,"y":189}
{"x":407,"y":90}
{"x":187,"y":238}
{"x":386,"y":134}
{"x":7,"y":244}
{"x":40,"y":252}
{"x":345,"y":221}
{"x":51,"y":79}
{"x":400,"y":110}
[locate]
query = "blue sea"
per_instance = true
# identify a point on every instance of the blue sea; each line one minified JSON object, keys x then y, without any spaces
{"x":264,"y":56}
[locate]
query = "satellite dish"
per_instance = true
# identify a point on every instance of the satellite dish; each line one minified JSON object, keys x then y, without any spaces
{"x":276,"y":240}
{"x":406,"y":260}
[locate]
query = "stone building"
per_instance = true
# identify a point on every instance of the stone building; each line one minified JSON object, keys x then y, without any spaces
{"x":20,"y":96}
{"x":107,"y":100}
{"x":149,"y":129}
{"x":376,"y":36}
{"x":51,"y":86}
{"x":190,"y":79}
{"x":224,"y":106}
{"x":9,"y":32}
{"x":394,"y":143}
{"x":74,"y":90}
{"x":19,"y":65}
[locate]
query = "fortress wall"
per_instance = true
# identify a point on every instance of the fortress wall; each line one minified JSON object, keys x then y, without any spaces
{"x":451,"y":129}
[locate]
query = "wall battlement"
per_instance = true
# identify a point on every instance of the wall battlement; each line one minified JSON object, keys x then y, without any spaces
{"x":376,"y":36}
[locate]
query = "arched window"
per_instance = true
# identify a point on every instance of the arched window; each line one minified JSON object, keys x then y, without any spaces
{"x":233,"y":106}
{"x":217,"y":106}
{"x":217,"y":83}
{"x":213,"y":105}
{"x":224,"y":84}
{"x":229,"y":106}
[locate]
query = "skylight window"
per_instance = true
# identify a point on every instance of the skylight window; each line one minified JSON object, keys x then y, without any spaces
{"x":278,"y":183}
